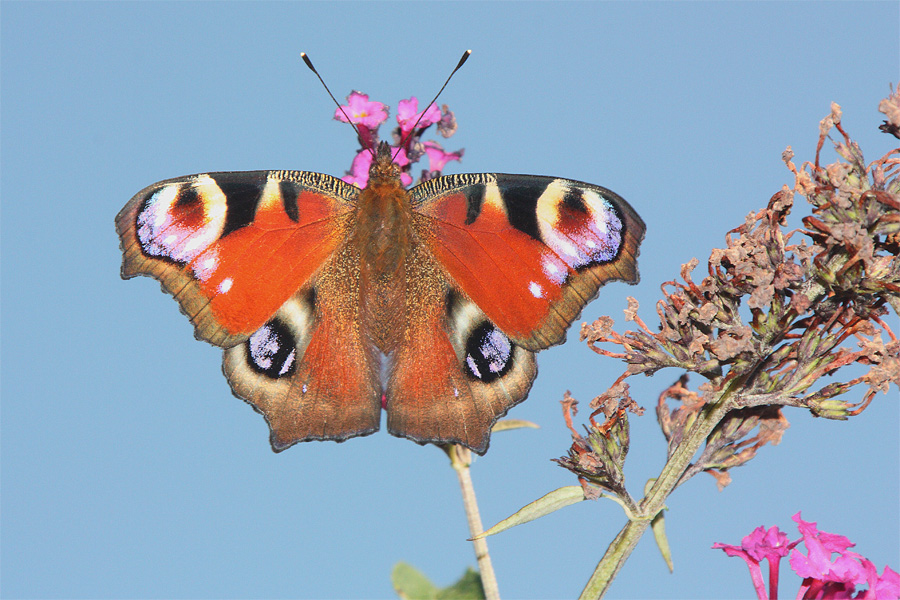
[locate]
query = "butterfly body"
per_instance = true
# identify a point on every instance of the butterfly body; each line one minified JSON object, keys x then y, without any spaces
{"x":333,"y":302}
{"x":383,"y":234}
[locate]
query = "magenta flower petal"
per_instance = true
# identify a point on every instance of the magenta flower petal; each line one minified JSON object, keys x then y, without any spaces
{"x":753,"y":564}
{"x":359,"y":169}
{"x":818,"y":564}
{"x":438,"y":158}
{"x":406,"y":110}
{"x":408,"y":118}
{"x":831,"y":542}
{"x":400,"y":157}
{"x":888,"y":585}
{"x":362,"y":111}
{"x":770,"y":544}
{"x":824,"y":577}
{"x":432,"y":115}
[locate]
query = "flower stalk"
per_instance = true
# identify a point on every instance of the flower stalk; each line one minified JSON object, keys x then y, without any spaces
{"x":461,"y":460}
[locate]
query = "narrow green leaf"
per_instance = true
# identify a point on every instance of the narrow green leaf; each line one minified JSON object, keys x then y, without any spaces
{"x":553,"y":501}
{"x":507,"y":424}
{"x":411,"y":584}
{"x":658,"y":525}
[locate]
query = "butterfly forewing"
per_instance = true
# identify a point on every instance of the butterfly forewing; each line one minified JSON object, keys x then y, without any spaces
{"x":529,"y":251}
{"x":233,"y":247}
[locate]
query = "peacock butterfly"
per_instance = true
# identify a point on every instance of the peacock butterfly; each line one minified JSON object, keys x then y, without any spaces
{"x":333,"y":302}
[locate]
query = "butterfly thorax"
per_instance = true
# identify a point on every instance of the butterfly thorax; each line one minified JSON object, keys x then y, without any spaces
{"x":383,"y":236}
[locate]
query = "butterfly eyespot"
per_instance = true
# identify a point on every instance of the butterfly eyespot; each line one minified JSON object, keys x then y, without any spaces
{"x":178,"y":222}
{"x":580,"y":225}
{"x":488,"y":353}
{"x":310,"y":300}
{"x":272,"y":350}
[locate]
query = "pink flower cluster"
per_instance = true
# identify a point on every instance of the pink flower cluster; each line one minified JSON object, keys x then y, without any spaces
{"x":408,"y":148}
{"x":824,"y":577}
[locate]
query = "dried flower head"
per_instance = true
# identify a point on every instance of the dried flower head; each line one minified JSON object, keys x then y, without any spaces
{"x":815,"y":298}
{"x":599,"y":457}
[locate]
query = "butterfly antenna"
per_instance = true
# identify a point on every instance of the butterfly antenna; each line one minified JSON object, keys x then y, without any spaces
{"x":309,"y":64}
{"x":459,"y":65}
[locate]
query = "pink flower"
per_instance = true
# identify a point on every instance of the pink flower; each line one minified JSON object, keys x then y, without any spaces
{"x":752,"y":563}
{"x":362,"y":112}
{"x":824,"y":577}
{"x":818,"y":564}
{"x":886,"y":586}
{"x":771,"y":544}
{"x":358,"y":174}
{"x":438,"y":158}
{"x":408,"y":118}
{"x":399,"y":156}
{"x":367,"y":116}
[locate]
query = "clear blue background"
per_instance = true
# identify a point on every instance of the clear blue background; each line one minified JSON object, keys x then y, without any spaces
{"x":129,"y":470}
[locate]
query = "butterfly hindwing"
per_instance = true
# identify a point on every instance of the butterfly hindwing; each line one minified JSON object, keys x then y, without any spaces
{"x":233,"y":247}
{"x":456,"y":373}
{"x":310,"y":370}
{"x":529,"y":251}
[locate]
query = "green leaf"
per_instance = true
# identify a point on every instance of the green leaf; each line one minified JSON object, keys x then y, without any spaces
{"x":507,"y":424}
{"x":553,"y":501}
{"x":658,"y":525}
{"x":411,"y":584}
{"x":467,"y":587}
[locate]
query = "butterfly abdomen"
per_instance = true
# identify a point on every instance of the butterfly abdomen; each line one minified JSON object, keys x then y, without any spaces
{"x":383,"y":237}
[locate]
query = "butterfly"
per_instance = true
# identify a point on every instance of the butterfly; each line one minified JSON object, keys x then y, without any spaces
{"x":333,"y":302}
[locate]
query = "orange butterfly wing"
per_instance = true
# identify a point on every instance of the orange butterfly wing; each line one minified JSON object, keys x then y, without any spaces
{"x":456,"y":373}
{"x":310,"y":370}
{"x":502,"y":266}
{"x":259,"y":262}
{"x":529,"y":251}
{"x":233,"y":247}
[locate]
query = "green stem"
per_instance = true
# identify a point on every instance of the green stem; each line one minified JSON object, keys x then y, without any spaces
{"x":625,"y":542}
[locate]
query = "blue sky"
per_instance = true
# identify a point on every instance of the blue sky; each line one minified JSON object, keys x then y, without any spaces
{"x":129,"y":470}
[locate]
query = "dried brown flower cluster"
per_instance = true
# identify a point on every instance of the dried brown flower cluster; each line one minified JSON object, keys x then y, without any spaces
{"x":890,"y":106}
{"x":804,"y":304}
{"x":599,"y":458}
